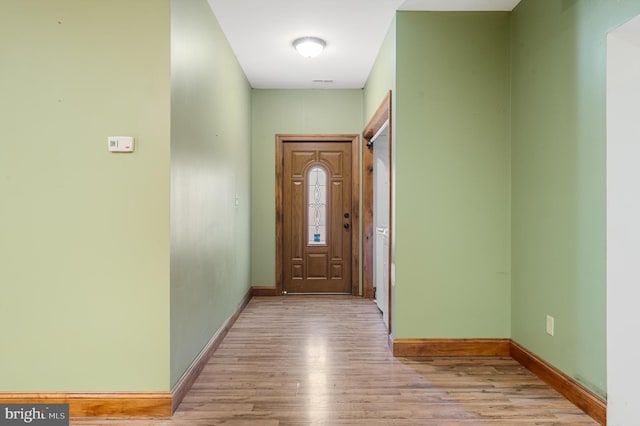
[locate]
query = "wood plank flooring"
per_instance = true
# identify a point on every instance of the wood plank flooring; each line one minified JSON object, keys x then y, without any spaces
{"x":324,"y":360}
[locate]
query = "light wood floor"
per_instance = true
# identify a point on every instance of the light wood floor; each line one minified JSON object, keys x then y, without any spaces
{"x":324,"y":360}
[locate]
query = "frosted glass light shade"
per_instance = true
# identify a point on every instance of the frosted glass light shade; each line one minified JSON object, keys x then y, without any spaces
{"x":309,"y":47}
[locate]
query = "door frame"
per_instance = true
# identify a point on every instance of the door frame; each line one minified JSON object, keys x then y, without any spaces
{"x":354,"y":140}
{"x":381,"y":116}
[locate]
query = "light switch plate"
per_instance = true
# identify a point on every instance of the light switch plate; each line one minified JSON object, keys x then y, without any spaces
{"x":121,"y":143}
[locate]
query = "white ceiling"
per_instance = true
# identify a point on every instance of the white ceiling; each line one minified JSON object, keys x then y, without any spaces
{"x":261,"y":32}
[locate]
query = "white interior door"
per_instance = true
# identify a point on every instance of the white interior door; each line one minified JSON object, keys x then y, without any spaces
{"x":381,"y":215}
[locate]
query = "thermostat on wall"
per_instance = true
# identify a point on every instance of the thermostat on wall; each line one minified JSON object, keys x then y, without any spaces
{"x":120,"y":143}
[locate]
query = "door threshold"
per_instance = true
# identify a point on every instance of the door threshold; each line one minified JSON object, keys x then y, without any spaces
{"x":317,"y":293}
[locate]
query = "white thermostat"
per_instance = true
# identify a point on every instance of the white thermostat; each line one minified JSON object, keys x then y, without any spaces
{"x":120,"y":143}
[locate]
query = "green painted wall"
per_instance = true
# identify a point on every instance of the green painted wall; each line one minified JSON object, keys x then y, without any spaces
{"x":382,"y":77}
{"x":85,"y":234}
{"x":558,"y":161}
{"x":452,"y":175}
{"x":210,"y":166}
{"x":84,"y":238}
{"x":293,"y":112}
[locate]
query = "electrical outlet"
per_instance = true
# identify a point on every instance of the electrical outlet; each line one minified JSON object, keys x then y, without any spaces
{"x":550,"y":325}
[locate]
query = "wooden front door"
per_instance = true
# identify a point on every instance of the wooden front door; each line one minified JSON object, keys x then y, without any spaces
{"x":317,"y":217}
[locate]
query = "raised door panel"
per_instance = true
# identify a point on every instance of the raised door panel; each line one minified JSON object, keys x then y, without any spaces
{"x":300,"y":161}
{"x":334,"y":161}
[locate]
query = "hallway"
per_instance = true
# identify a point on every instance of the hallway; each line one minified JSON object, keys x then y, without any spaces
{"x":324,"y":360}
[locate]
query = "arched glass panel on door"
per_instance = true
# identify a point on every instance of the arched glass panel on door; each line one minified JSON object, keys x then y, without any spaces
{"x":317,"y":207}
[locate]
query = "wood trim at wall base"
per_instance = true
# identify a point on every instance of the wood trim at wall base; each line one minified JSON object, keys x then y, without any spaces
{"x":180,"y":389}
{"x":99,"y":404}
{"x":259,"y":291}
{"x":574,"y":392}
{"x":566,"y":386}
{"x":451,"y":347}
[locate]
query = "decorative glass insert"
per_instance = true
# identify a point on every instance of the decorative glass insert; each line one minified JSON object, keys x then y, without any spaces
{"x":317,"y":208}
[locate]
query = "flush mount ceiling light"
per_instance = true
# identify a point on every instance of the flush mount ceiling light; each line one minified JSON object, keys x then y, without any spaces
{"x":309,"y":47}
